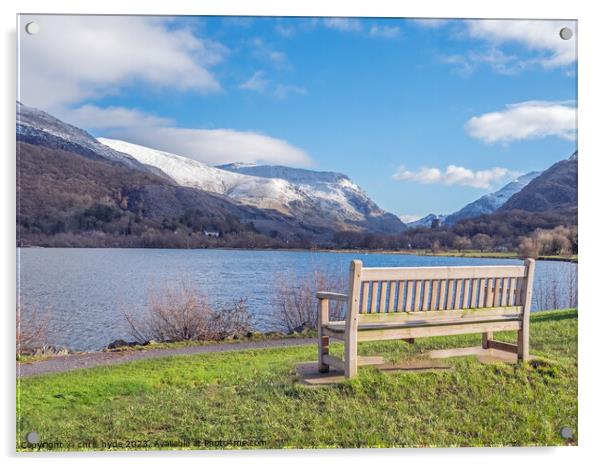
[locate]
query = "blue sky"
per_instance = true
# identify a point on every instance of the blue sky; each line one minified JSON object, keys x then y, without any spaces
{"x":426,"y":115}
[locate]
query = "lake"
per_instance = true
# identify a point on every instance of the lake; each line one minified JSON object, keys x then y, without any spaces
{"x":87,"y":290}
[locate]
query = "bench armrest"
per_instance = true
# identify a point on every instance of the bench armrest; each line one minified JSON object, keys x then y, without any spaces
{"x":332,"y":296}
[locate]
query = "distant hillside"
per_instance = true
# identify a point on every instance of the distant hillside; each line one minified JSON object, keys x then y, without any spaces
{"x":427,"y":221}
{"x":323,"y":200}
{"x":493,"y":201}
{"x":66,"y":199}
{"x":555,"y":189}
{"x":75,"y":190}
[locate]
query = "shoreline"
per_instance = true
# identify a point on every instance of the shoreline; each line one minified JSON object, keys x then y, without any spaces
{"x":402,"y":252}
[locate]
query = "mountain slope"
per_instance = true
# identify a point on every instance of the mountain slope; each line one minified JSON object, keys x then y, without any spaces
{"x":265,"y":194}
{"x":334,"y":194}
{"x":94,"y":202}
{"x":39,"y":128}
{"x":426,"y":221}
{"x":493,"y":201}
{"x":554,"y":189}
{"x":320,"y":199}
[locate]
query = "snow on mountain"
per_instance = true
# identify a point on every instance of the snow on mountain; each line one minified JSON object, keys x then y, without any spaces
{"x":264,"y":193}
{"x":333,"y":191}
{"x":484,"y":205}
{"x":324,"y":199}
{"x":427,"y":221}
{"x":37,"y":127}
{"x":554,"y":190}
{"x":493,"y":201}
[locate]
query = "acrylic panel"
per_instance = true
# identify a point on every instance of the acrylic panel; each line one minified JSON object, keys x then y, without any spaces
{"x":295,"y":232}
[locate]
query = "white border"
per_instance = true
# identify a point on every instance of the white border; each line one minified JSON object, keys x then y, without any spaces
{"x":590,"y":197}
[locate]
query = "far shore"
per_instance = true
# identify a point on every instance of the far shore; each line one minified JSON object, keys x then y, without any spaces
{"x":407,"y":252}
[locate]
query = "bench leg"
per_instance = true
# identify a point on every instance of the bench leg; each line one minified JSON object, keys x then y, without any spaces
{"x":351,"y":356}
{"x":523,"y":344}
{"x":487,"y":337}
{"x":323,"y":342}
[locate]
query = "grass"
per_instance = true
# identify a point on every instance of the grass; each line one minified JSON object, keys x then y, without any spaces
{"x":495,"y":255}
{"x":253,"y":336}
{"x":474,"y":253}
{"x":251,"y":399}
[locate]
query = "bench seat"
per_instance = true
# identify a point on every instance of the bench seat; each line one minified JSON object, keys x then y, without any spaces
{"x":339,"y":326}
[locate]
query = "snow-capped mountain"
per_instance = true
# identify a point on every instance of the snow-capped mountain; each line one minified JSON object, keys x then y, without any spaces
{"x":484,"y":205}
{"x":426,"y":221}
{"x":493,"y":201}
{"x":554,"y":190}
{"x":323,"y":199}
{"x":333,"y":193}
{"x":37,"y":127}
{"x":260,"y":192}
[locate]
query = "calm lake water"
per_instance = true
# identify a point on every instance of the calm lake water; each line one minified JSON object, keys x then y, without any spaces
{"x":87,"y":290}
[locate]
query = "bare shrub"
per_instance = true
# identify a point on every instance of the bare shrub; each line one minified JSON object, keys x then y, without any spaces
{"x":556,"y":241}
{"x":559,"y":241}
{"x":482,"y":242}
{"x":528,"y":247}
{"x":295,"y":303}
{"x":462,"y":242}
{"x":179,"y":314}
{"x":556,"y":289}
{"x":32,"y":329}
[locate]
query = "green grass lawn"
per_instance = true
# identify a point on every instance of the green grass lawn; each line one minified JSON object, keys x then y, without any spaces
{"x":251,"y":399}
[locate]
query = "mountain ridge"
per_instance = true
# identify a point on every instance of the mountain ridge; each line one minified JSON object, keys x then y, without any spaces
{"x":554,"y":189}
{"x":325,"y":199}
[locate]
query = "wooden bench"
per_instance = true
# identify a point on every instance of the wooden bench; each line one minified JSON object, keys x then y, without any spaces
{"x":411,"y":302}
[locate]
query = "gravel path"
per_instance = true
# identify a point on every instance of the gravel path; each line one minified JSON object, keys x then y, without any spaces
{"x":84,"y":360}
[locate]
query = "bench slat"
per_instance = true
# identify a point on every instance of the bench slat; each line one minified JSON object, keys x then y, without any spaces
{"x":392,"y":289}
{"x":365,"y":293}
{"x":382,"y":304}
{"x":441,"y":315}
{"x":416,"y":297}
{"x":438,"y":330}
{"x":512,"y":293}
{"x":465,"y":293}
{"x":457,"y":303}
{"x":447,"y":295}
{"x":439,"y":273}
{"x":401,"y":286}
{"x":425,"y":286}
{"x":374,"y":287}
{"x":504,"y":300}
{"x":434,"y":295}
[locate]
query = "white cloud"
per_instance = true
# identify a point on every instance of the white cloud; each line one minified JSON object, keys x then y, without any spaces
{"x":257,"y":82}
{"x":343,"y":24}
{"x":541,"y":36}
{"x":265,"y":52}
{"x":78,"y":57}
{"x":525,"y":120}
{"x":385,"y":31}
{"x":499,"y":61}
{"x":93,"y":117}
{"x":285,"y":30}
{"x":282,"y":91}
{"x":216,"y":146}
{"x":454,"y":175}
{"x":430,"y":22}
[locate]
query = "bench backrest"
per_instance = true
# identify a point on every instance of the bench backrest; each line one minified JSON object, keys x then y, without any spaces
{"x":384,"y":293}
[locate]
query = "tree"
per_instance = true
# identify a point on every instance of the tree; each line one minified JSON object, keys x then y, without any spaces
{"x":461,"y":243}
{"x":482,"y":241}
